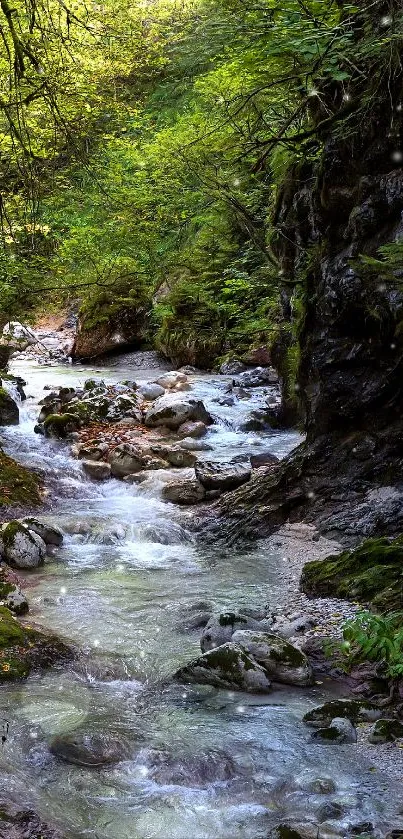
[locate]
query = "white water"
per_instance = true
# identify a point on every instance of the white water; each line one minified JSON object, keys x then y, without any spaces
{"x":129,"y":567}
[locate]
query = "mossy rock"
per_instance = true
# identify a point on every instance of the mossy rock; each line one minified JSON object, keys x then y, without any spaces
{"x":23,"y":648}
{"x":60,"y":425}
{"x":355,"y":710}
{"x":281,"y":660}
{"x":284,"y":831}
{"x":11,"y":595}
{"x":9,"y":412}
{"x":386,"y":731}
{"x":18,"y":485}
{"x":228,"y":666}
{"x":371,"y":574}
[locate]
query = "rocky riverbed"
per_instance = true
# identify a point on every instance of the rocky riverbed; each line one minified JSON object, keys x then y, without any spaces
{"x":133,"y":589}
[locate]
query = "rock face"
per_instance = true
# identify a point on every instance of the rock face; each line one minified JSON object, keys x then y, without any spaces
{"x":227,"y":666}
{"x":9,"y":412}
{"x":348,"y":366}
{"x":126,"y":329}
{"x":172,"y":411}
{"x":281,"y":660}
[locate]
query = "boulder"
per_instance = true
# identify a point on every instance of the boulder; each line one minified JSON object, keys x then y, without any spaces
{"x":170,"y":380}
{"x":172,"y":411}
{"x":222,"y":477}
{"x":354,"y":710}
{"x":23,"y":648}
{"x":221,"y":628}
{"x":60,"y":425}
{"x":192,"y":429}
{"x":386,"y":731}
{"x":97,"y":470}
{"x":125,"y":460}
{"x":151,"y":391}
{"x":82,"y":749}
{"x":9,"y":411}
{"x":92,"y":452}
{"x":227,"y":666}
{"x":50,"y":534}
{"x":232,"y":368}
{"x":340,"y":730}
{"x":123,"y":329}
{"x":175,"y":455}
{"x":11,"y":595}
{"x":257,"y":377}
{"x":185,"y":492}
{"x":22,"y":547}
{"x":281,"y":660}
{"x":192,"y":445}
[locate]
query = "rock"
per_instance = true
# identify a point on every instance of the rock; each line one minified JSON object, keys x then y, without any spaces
{"x":263,"y":459}
{"x":50,"y":534}
{"x":95,"y":452}
{"x":89,"y":749}
{"x":340,"y":730}
{"x":296,"y":627}
{"x":9,"y":411}
{"x":386,"y":731}
{"x":23,"y":648}
{"x":24,"y":824}
{"x":257,"y":377}
{"x":280,"y":660}
{"x":60,"y":425}
{"x":259,"y":356}
{"x":172,"y":412}
{"x":186,"y":491}
{"x":192,"y":429}
{"x":124,"y":329}
{"x":22,"y":547}
{"x":223,"y":477}
{"x":11,"y":595}
{"x":175,"y":455}
{"x":352,"y":709}
{"x":125,"y":460}
{"x":227,"y":666}
{"x":221,"y":628}
{"x":151,"y":391}
{"x":171,"y":379}
{"x":18,"y":336}
{"x":98,"y":471}
{"x":232,"y":368}
{"x":331,"y":810}
{"x":305,"y":830}
{"x":322,"y":786}
{"x":190,"y":770}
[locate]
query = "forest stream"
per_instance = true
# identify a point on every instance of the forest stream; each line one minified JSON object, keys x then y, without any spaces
{"x":198,"y":762}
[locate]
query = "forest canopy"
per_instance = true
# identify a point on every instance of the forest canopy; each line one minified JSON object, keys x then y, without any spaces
{"x":144,"y":144}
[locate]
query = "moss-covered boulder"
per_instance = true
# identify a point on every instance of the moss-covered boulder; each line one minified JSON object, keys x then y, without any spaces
{"x":18,"y":485}
{"x":355,"y":710}
{"x":50,"y":534}
{"x":386,"y":731}
{"x":23,"y":648}
{"x":371,"y":574}
{"x":281,"y":660}
{"x":11,"y":595}
{"x":60,"y":425}
{"x":21,"y":547}
{"x":229,"y":667}
{"x":9,"y":412}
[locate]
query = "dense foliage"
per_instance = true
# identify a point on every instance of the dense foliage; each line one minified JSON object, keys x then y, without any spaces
{"x":144,"y":146}
{"x":369,"y":637}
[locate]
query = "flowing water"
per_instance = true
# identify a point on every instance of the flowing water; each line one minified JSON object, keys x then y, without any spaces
{"x":201,"y":763}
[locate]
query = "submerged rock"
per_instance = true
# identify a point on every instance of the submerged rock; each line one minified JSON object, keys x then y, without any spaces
{"x":22,"y":548}
{"x":91,"y":750}
{"x":190,"y":770}
{"x":172,"y":411}
{"x":222,"y":477}
{"x":227,"y":666}
{"x":24,"y":824}
{"x":281,"y":660}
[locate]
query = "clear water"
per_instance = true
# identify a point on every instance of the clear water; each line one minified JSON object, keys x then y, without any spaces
{"x":119,"y":587}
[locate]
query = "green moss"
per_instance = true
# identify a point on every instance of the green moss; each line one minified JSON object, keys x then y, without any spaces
{"x":18,"y":485}
{"x":10,"y":531}
{"x":371,"y":574}
{"x":354,"y":710}
{"x":288,"y":655}
{"x":386,"y":731}
{"x":57,"y":424}
{"x":22,"y":647}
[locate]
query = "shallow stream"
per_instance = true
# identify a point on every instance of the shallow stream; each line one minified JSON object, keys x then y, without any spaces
{"x":202,"y":763}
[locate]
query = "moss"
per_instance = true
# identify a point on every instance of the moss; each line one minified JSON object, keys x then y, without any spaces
{"x":354,"y":710}
{"x":288,"y":654}
{"x":10,"y":531}
{"x":22,"y":648}
{"x":58,"y":424}
{"x":371,"y":574}
{"x":385,"y":731}
{"x":18,"y":485}
{"x":329,"y":734}
{"x":283,"y":831}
